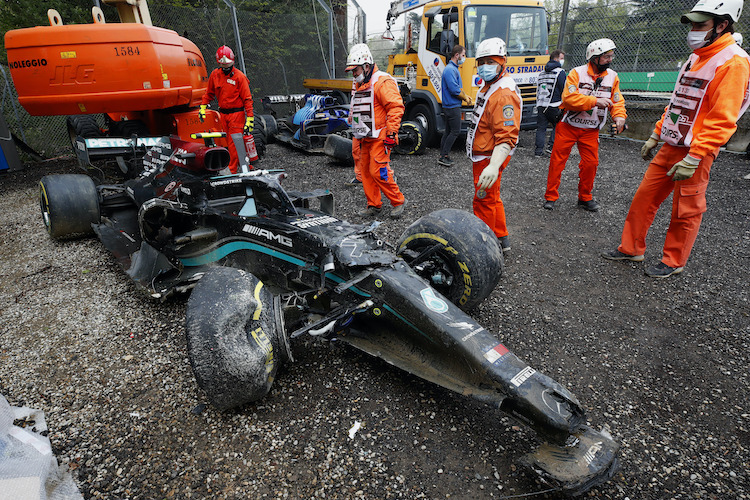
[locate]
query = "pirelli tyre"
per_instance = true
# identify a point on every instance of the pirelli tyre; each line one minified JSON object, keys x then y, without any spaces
{"x":69,"y":204}
{"x":339,"y":147}
{"x":456,"y":253}
{"x":411,"y":139}
{"x":232,"y":339}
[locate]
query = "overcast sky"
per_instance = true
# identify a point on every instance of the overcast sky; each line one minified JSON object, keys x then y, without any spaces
{"x":376,"y":10}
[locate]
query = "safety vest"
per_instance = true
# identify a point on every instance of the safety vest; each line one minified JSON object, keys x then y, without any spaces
{"x":688,"y":94}
{"x":546,"y":88}
{"x":363,"y":109}
{"x":483,"y":98}
{"x":595,"y":117}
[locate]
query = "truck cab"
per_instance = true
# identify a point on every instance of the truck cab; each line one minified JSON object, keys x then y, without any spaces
{"x":522,"y":24}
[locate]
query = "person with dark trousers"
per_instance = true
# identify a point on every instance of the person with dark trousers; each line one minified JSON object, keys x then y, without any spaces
{"x":453,"y":95}
{"x":549,"y":91}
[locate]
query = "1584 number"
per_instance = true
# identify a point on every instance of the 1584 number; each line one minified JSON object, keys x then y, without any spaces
{"x":127,"y":51}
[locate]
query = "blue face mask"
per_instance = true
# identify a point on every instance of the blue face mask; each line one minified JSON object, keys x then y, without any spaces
{"x":487,"y":71}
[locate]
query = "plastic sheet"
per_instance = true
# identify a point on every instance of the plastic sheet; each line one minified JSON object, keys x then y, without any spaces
{"x":28,"y":469}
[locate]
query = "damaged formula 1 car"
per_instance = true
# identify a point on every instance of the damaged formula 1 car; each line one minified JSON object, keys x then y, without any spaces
{"x":267,"y":265}
{"x":320,"y":125}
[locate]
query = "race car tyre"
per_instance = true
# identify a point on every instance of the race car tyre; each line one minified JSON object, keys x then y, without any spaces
{"x":456,"y":253}
{"x":339,"y":147}
{"x":268,"y":122}
{"x":421,"y":114}
{"x":260,"y":142}
{"x":129,"y":127}
{"x":82,"y":125}
{"x":410,"y":139}
{"x":69,"y":204}
{"x":232,"y":342}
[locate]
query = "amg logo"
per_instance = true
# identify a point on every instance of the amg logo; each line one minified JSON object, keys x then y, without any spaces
{"x":315,"y":221}
{"x":284,"y":240}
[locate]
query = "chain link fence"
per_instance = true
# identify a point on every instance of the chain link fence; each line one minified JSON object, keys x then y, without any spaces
{"x":651,"y":47}
{"x":280,"y":50}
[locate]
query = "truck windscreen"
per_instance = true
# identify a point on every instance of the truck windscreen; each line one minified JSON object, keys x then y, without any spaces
{"x":524,"y":29}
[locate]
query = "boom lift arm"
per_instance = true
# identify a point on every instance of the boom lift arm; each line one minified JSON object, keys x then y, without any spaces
{"x":399,"y":7}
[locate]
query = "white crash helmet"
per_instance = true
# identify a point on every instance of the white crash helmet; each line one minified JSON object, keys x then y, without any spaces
{"x":359,"y":54}
{"x":737,"y":38}
{"x":599,"y":47}
{"x":713,"y":8}
{"x":491,"y":47}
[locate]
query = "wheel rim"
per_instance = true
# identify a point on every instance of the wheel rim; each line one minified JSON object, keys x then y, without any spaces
{"x":430,"y":263}
{"x":44,"y":205}
{"x":422,"y":120}
{"x":407,"y":140}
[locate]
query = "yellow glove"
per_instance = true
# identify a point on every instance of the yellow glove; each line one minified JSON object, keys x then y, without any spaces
{"x":491,"y":172}
{"x":651,"y":143}
{"x":249,"y":123}
{"x":202,"y":112}
{"x":684,"y":169}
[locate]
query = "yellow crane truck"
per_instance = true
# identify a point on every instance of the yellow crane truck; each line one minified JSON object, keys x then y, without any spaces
{"x":521,"y":23}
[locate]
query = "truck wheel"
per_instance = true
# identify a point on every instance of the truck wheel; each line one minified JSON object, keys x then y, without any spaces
{"x":339,"y":147}
{"x":456,"y":253}
{"x":232,"y":341}
{"x":410,"y":139}
{"x":83,"y":125}
{"x":269,"y":127}
{"x":69,"y":204}
{"x":421,"y":114}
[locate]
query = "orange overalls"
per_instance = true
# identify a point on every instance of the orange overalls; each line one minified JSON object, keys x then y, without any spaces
{"x":580,"y":125}
{"x":376,"y":111}
{"x":726,"y":71}
{"x":498,"y":122}
{"x":232,"y":93}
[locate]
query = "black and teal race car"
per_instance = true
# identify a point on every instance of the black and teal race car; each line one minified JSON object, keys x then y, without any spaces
{"x":265,"y":265}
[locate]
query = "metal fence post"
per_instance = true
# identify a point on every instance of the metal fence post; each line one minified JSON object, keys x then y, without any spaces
{"x":237,"y":38}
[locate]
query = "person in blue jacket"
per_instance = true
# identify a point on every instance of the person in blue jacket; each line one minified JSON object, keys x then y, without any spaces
{"x":550,"y":85}
{"x":453,"y":94}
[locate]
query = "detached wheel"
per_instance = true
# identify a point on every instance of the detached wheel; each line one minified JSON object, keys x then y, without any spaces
{"x":456,"y":253}
{"x":232,"y":341}
{"x":69,"y":204}
{"x":260,"y":139}
{"x":410,"y":139}
{"x":268,"y":122}
{"x":339,"y":147}
{"x":421,"y":114}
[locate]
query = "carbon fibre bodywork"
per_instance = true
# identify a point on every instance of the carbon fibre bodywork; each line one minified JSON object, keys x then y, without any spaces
{"x":337,"y":280}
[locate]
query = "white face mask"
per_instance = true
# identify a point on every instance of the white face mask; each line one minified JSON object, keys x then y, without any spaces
{"x":461,"y":60}
{"x":562,"y":62}
{"x":696,"y":39}
{"x":359,"y":78}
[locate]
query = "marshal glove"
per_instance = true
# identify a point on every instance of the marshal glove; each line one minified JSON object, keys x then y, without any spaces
{"x":651,"y":143}
{"x":491,"y":172}
{"x":202,"y":112}
{"x":389,"y":142}
{"x":249,"y":125}
{"x":684,"y":169}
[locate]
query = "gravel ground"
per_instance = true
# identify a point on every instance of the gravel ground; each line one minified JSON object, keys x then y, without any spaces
{"x":664,"y":363}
